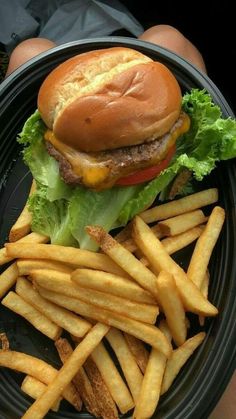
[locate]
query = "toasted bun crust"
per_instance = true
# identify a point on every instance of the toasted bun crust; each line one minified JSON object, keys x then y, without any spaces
{"x":109,"y":98}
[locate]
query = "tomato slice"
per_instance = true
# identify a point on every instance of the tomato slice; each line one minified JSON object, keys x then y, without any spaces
{"x":147,"y":174}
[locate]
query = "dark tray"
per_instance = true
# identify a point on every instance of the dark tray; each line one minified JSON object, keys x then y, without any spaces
{"x":204,"y":378}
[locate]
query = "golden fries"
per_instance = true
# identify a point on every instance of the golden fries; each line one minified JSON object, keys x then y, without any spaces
{"x":8,"y":279}
{"x":151,"y":386}
{"x":111,"y":376}
{"x":35,"y":388}
{"x":30,"y":238}
{"x":4,"y":342}
{"x":145,"y":313}
{"x":155,"y":252}
{"x":105,"y":402}
{"x":67,"y":255}
{"x":142,"y":312}
{"x":180,"y":206}
{"x":163,"y":326}
{"x":178,"y":242}
{"x":112,"y":284}
{"x":17,"y":304}
{"x":126,"y":260}
{"x":39,"y":369}
{"x":80,"y":380}
{"x":174,"y":243}
{"x":25,"y":266}
{"x":130,"y":244}
{"x":138,"y":350}
{"x":90,"y":384}
{"x":127,"y":361}
{"x":64,"y":376}
{"x":204,"y":247}
{"x":63,"y":318}
{"x":109,"y":303}
{"x":181,"y":223}
{"x":172,"y":307}
{"x":146,"y":332}
{"x":204,"y":290}
{"x":178,"y":358}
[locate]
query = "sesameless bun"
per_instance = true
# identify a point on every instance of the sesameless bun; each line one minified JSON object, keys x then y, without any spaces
{"x":108,"y":99}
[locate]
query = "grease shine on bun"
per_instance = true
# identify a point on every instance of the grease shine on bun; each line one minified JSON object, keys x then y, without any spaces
{"x":108,"y":99}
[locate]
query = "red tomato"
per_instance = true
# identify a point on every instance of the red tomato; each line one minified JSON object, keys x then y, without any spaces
{"x":147,"y":174}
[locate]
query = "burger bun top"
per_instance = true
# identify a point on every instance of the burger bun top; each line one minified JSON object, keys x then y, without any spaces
{"x":109,"y":98}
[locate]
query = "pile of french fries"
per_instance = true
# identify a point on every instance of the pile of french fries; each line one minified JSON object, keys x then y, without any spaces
{"x":130,"y":299}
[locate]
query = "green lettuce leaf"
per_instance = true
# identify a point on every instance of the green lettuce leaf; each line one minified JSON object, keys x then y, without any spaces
{"x":97,"y":208}
{"x":51,"y":218}
{"x":43,"y":167}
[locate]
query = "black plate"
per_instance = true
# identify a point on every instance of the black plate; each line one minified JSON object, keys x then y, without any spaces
{"x":202,"y":381}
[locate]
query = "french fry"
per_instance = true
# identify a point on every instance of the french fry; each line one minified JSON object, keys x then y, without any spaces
{"x":38,"y":369}
{"x":138,"y":350}
{"x":8,"y":279}
{"x":35,"y":388}
{"x":174,"y":243}
{"x":88,"y":395}
{"x":17,"y":304}
{"x":151,"y":386}
{"x":180,"y":206}
{"x":127,"y":361}
{"x":80,"y":380}
{"x":148,"y":333}
{"x":178,"y":358}
{"x":105,"y":402}
{"x":30,"y":238}
{"x":112,"y":284}
{"x":204,"y":246}
{"x":163,"y":326}
{"x":181,"y":223}
{"x":5,"y":346}
{"x":57,"y":281}
{"x":124,"y":234}
{"x":65,"y":254}
{"x":178,"y":242}
{"x":126,"y":260}
{"x":155,"y":252}
{"x":142,"y":312}
{"x":172,"y":307}
{"x":64,"y":376}
{"x":60,"y":316}
{"x":130,"y":244}
{"x":145,"y":313}
{"x":22,"y":226}
{"x":90,"y":384}
{"x":204,"y":290}
{"x":25,"y":266}
{"x":116,"y":386}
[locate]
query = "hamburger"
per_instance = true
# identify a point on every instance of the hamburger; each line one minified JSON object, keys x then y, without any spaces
{"x":111,"y":133}
{"x":113,"y":117}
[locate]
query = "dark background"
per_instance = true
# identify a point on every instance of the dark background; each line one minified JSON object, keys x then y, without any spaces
{"x":209,"y":25}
